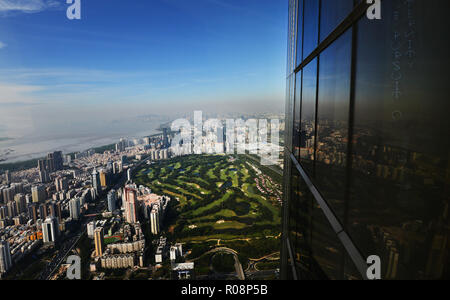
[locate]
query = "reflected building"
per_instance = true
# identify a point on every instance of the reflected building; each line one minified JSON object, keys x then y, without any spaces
{"x":367,"y":167}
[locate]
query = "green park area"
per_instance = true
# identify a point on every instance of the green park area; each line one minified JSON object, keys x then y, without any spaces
{"x":220,"y":199}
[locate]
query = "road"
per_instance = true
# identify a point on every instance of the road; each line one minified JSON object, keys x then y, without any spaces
{"x":237,"y":264}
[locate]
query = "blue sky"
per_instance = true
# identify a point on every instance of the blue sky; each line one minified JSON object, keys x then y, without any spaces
{"x":153,"y":56}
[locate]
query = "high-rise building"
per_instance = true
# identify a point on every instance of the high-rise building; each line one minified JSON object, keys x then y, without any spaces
{"x":90,"y":229}
{"x":96,"y":181}
{"x":8,"y":194}
{"x":129,"y":174}
{"x":55,"y":160}
{"x":18,"y":187}
{"x":366,"y":168}
{"x":5,"y":257}
{"x":61,"y":184}
{"x":165,"y":137}
{"x":154,"y":221}
{"x":121,"y":145}
{"x":98,"y":241}
{"x":131,"y":204}
{"x":44,"y":177}
{"x":55,"y":210}
{"x":112,"y":200}
{"x":38,"y":193}
{"x":104,"y":178}
{"x":52,"y":163}
{"x":74,"y":208}
{"x":173,"y":253}
{"x":28,"y":198}
{"x":7,"y":177}
{"x":33,"y":212}
{"x":3,"y":212}
{"x":12,"y":211}
{"x":50,"y":230}
{"x":20,"y":203}
{"x":67,"y":159}
{"x":43,"y":213}
{"x":117,"y":167}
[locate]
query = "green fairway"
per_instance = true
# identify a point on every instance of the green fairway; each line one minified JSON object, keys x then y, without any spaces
{"x":218,"y":196}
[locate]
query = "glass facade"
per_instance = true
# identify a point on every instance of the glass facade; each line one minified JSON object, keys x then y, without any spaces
{"x":367,"y":166}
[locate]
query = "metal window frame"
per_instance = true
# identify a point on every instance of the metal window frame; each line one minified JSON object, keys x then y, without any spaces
{"x":360,"y":8}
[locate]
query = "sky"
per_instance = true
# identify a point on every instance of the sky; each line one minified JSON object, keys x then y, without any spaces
{"x":131,"y":58}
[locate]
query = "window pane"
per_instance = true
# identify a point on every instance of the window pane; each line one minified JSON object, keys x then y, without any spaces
{"x":311,"y":26}
{"x":300,"y":32}
{"x":332,"y":122}
{"x":332,"y":14}
{"x":400,"y":181}
{"x":327,"y":249}
{"x":289,"y":108}
{"x":317,"y":250}
{"x":296,"y":133}
{"x":297,"y":221}
{"x":308,"y":119}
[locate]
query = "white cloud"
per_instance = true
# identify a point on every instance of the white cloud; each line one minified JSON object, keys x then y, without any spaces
{"x":13,"y":94}
{"x":27,"y":6}
{"x":2,"y":45}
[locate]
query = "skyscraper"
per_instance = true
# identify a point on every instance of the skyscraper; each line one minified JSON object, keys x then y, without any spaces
{"x":90,"y":229}
{"x":117,"y":167}
{"x":5,"y":257}
{"x":96,"y":181}
{"x":55,"y":210}
{"x":43,"y":211}
{"x":98,"y":240}
{"x":131,"y":205}
{"x":20,"y":203}
{"x":154,"y":221}
{"x":44,"y":176}
{"x":74,"y":209}
{"x":129,"y":174}
{"x":112,"y":199}
{"x":50,"y":230}
{"x":7,"y":177}
{"x":366,"y":137}
{"x":33,"y":212}
{"x":38,"y":193}
{"x":165,"y":137}
{"x":61,"y":184}
{"x":8,"y":194}
{"x":104,"y":177}
{"x":121,"y":145}
{"x":52,"y":163}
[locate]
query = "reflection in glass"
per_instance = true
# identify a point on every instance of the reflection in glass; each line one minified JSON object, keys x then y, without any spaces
{"x":332,"y":13}
{"x":332,"y":122}
{"x":296,"y":118}
{"x":311,"y":27}
{"x":300,"y":33}
{"x":326,"y":248}
{"x":297,"y":224}
{"x":308,"y":117}
{"x":308,"y":231}
{"x":399,"y":202}
{"x":289,"y":108}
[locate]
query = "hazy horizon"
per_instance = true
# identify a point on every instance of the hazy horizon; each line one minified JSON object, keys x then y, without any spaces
{"x":77,"y":80}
